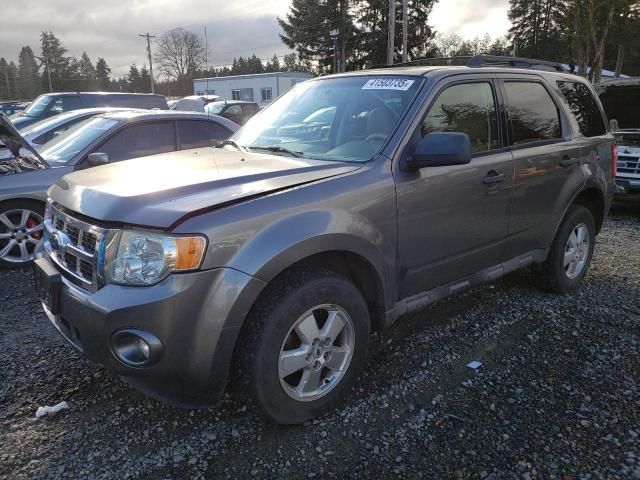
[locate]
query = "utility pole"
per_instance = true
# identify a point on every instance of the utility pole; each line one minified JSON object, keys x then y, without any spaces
{"x":206,"y":49}
{"x":405,"y":31}
{"x":336,"y":63}
{"x":6,"y":79}
{"x":149,"y":37}
{"x":391,"y":32}
{"x":46,"y":61}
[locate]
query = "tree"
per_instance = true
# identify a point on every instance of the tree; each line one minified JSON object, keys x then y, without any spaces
{"x":133,"y":79}
{"x":373,"y":15}
{"x":145,"y":80}
{"x":5,"y":85}
{"x":307,"y":30}
{"x":102,"y":74}
{"x":86,"y":73}
{"x":537,"y":28}
{"x":28,"y":78}
{"x":180,"y":54}
{"x":54,"y":60}
{"x":273,"y":65}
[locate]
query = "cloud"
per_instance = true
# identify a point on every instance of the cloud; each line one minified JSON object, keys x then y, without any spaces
{"x":110,"y":28}
{"x":471,"y":18}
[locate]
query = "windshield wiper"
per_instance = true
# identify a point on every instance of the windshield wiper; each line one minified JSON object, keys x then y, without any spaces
{"x":279,"y":149}
{"x":233,"y":143}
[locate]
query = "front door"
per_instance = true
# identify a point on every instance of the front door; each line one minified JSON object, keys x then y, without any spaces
{"x":453,"y":220}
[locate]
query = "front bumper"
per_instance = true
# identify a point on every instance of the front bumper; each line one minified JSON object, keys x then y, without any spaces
{"x":627,"y":185}
{"x":196,"y":316}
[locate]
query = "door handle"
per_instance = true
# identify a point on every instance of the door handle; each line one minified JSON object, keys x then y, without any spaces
{"x":568,"y":161}
{"x":493,"y":177}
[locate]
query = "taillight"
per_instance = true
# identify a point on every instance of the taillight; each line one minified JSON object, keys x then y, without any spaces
{"x":614,"y":159}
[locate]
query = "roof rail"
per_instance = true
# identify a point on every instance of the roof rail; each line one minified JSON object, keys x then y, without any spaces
{"x":515,"y":62}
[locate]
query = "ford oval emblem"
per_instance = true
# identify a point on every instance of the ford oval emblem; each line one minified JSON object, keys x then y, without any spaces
{"x":60,"y":240}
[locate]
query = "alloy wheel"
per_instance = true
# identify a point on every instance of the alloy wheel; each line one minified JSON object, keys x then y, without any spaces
{"x":316,"y":352}
{"x":21,"y":231}
{"x":576,"y":251}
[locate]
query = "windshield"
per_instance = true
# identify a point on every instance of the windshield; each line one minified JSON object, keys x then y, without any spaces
{"x":62,"y":150}
{"x":335,"y":119}
{"x":39,"y":105}
{"x":214,"y":108}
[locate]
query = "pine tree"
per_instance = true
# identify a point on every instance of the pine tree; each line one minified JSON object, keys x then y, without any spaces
{"x":133,"y":79}
{"x":373,"y":15}
{"x":273,"y":65}
{"x":102,"y":74}
{"x":145,"y":80}
{"x":28,"y":78}
{"x":53,"y":55}
{"x":87,"y":73}
{"x":5,"y":88}
{"x":537,"y":28}
{"x":307,"y":30}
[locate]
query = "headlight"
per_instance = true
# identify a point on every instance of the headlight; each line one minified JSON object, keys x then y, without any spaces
{"x":145,"y":258}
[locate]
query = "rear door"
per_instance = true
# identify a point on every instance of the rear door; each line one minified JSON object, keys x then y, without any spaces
{"x":453,"y":220}
{"x":547,"y":160}
{"x":200,"y":133}
{"x":133,"y":141}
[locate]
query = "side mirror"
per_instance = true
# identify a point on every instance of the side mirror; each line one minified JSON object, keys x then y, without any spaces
{"x":441,"y":148}
{"x":96,"y":159}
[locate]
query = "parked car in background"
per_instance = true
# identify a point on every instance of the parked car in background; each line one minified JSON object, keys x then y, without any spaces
{"x":621,"y":101}
{"x":194,"y":103}
{"x":106,"y":138}
{"x":270,"y":261}
{"x":42,"y":132}
{"x":172,"y":104}
{"x":51,"y":104}
{"x":9,"y":108}
{"x":238,"y":111}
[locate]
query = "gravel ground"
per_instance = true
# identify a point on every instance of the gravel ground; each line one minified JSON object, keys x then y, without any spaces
{"x":557,"y":396}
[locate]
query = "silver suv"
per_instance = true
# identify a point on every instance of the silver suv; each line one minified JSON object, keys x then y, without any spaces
{"x":269,"y":262}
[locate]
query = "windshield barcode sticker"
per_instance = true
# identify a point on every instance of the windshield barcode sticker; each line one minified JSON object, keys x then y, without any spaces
{"x":388,"y":84}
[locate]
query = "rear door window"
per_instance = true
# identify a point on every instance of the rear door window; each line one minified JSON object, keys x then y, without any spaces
{"x":139,"y":141}
{"x":533,"y":114}
{"x":467,"y":108}
{"x":200,"y":133}
{"x":583,"y":108}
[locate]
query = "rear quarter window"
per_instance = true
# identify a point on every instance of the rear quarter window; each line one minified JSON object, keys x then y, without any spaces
{"x":584,"y":108}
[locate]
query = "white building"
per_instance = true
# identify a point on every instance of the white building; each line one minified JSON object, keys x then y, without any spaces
{"x":261,"y":88}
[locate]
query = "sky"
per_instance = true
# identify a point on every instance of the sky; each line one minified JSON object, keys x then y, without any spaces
{"x":110,"y":28}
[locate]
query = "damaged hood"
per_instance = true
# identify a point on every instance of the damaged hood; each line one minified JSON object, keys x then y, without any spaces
{"x":17,"y":155}
{"x":159,"y":190}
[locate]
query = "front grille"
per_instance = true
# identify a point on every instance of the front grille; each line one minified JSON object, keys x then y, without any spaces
{"x":628,"y":165}
{"x":73,"y":245}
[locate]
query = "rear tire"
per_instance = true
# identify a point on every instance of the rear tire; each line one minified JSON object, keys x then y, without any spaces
{"x":571,"y":252}
{"x":304,"y":345}
{"x":21,"y":231}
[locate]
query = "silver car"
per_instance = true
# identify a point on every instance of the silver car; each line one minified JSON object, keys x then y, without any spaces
{"x":26,"y":174}
{"x":48,"y":129}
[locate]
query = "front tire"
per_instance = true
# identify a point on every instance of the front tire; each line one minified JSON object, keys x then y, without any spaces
{"x":304,"y":345}
{"x":571,"y":252}
{"x":21,"y":231}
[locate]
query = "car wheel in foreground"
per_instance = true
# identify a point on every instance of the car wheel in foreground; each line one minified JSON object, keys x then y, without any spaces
{"x":571,"y":251}
{"x":21,"y":231}
{"x":304,"y":345}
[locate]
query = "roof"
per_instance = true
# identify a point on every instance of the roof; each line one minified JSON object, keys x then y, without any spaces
{"x":145,"y":115}
{"x":258,"y":75}
{"x":55,"y":94}
{"x":445,"y":70}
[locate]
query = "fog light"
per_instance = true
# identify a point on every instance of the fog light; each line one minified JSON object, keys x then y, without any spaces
{"x":136,"y":348}
{"x":144,"y":348}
